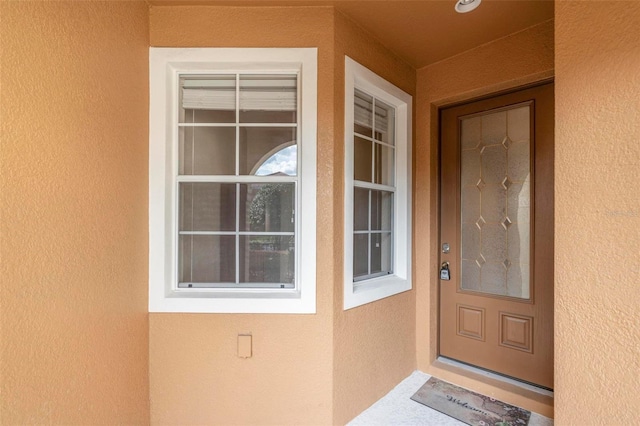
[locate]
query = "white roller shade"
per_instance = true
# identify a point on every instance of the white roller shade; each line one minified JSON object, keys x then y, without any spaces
{"x":363,"y":117}
{"x":260,"y":93}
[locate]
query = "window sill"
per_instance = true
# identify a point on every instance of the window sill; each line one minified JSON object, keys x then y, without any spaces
{"x":228,"y":302}
{"x":374,"y":289}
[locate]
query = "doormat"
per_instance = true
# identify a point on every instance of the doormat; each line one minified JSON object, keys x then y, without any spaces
{"x":469,"y":407}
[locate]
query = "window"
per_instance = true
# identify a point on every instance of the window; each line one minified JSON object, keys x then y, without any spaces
{"x":377,"y":187}
{"x":232,"y":172}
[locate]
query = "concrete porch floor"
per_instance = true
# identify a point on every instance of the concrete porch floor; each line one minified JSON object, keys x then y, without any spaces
{"x":396,"y":408}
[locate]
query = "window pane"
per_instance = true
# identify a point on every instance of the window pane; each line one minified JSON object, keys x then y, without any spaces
{"x":207,"y":206}
{"x":282,"y":162}
{"x":362,"y":116}
{"x":257,"y":145}
{"x":267,"y":207}
{"x":208,"y":99}
{"x":362,"y":159}
{"x":267,"y":259}
{"x":207,"y":259}
{"x":207,"y":150}
{"x":360,"y":255}
{"x":385,"y":161}
{"x":381,"y":210}
{"x":360,"y":209}
{"x":268,"y":98}
{"x":381,"y":253}
{"x":385,"y":123}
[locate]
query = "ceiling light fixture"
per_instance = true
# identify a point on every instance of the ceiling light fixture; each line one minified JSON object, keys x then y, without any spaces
{"x":464,"y":6}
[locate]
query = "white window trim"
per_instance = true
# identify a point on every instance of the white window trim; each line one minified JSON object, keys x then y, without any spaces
{"x":370,"y":290}
{"x":165,"y":64}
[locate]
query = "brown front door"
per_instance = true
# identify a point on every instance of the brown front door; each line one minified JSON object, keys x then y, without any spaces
{"x":496,"y":311}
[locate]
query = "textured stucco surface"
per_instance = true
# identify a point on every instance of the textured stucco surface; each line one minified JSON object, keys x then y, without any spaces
{"x":518,"y":59}
{"x":374,"y":344}
{"x":73,"y":113}
{"x":195,"y":376}
{"x":597,"y":213}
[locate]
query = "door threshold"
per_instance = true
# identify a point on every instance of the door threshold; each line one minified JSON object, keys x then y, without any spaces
{"x":495,"y":376}
{"x":509,"y":390}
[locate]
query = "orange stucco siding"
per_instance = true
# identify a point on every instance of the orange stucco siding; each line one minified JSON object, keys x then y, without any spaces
{"x":73,"y":117}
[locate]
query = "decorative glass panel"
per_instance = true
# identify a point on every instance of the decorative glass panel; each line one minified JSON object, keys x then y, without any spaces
{"x":495,"y":202}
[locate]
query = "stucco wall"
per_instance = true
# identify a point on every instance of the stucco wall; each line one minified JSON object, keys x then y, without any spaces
{"x":510,"y":62}
{"x":597,"y":212}
{"x":195,"y":375}
{"x":73,"y":114}
{"x":374,"y":344}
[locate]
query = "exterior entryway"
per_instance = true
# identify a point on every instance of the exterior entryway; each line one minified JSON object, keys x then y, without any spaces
{"x":496,"y":236}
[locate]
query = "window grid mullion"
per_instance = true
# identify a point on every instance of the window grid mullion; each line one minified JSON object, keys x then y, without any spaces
{"x":237,"y":237}
{"x":373,"y":144}
{"x":237,"y":233}
{"x":369,"y":237}
{"x":237,"y":124}
{"x":373,"y":186}
{"x":235,"y":179}
{"x":191,"y":239}
{"x":273,"y":233}
{"x":283,"y":125}
{"x":370,"y":139}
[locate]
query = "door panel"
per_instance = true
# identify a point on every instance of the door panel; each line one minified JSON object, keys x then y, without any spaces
{"x":496,"y":312}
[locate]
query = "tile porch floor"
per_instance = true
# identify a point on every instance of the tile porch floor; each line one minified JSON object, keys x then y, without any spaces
{"x":396,"y":408}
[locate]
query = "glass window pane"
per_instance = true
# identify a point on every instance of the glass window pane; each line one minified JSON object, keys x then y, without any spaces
{"x":208,"y":99}
{"x":268,"y":98}
{"x":381,"y":210}
{"x":267,"y":259}
{"x":282,"y":162}
{"x":267,"y":207}
{"x":381,"y":253}
{"x":258,"y":144}
{"x":207,"y":259}
{"x":360,"y":209}
{"x":207,"y":206}
{"x":385,"y":165}
{"x":207,"y":150}
{"x":362,"y":116}
{"x":360,"y":255}
{"x":385,"y":123}
{"x":362,"y":159}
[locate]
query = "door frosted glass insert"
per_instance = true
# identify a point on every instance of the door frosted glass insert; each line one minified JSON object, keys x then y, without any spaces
{"x":495,"y":201}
